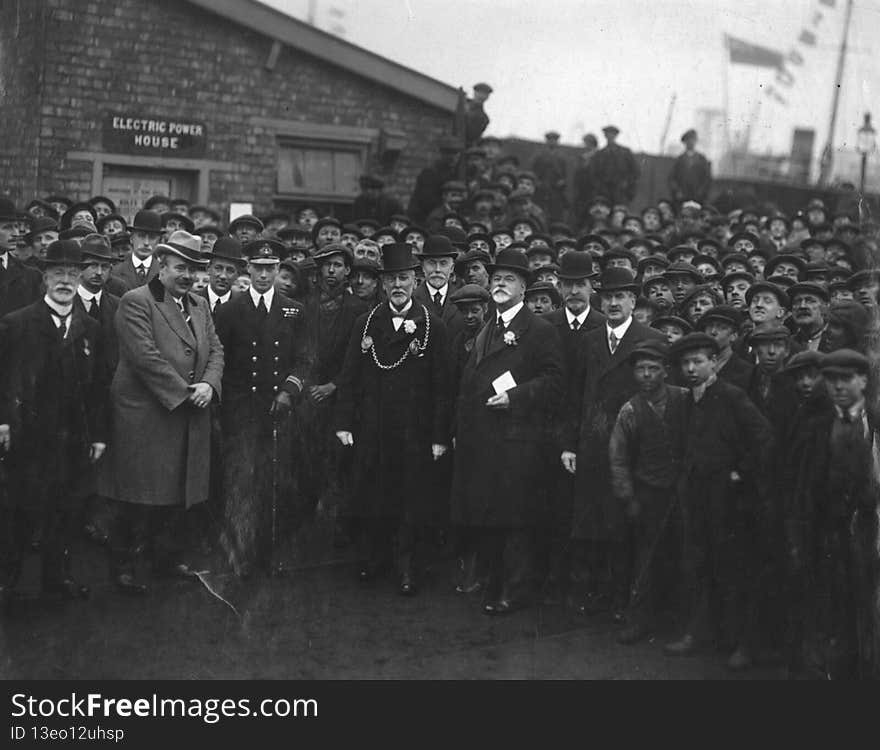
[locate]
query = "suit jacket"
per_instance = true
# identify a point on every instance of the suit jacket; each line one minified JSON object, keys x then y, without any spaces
{"x":447,"y":312}
{"x":53,"y":397}
{"x":572,"y":341}
{"x":124,"y":272}
{"x":600,"y":385}
{"x":737,"y":371}
{"x":499,"y":454}
{"x":20,"y":285}
{"x":107,"y":320}
{"x":161,"y":443}
{"x":203,"y":293}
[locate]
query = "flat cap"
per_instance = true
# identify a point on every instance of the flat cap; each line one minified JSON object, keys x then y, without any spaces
{"x":470,"y":293}
{"x":693,"y":341}
{"x":846,"y":362}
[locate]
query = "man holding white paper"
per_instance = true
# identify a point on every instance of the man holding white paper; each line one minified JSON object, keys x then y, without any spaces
{"x":512,"y":377}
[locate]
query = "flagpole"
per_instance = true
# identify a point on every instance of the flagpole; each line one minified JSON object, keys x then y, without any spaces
{"x":827,"y":160}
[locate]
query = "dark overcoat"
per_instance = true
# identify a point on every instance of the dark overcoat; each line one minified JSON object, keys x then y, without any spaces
{"x":395,"y":415}
{"x":448,"y":312}
{"x":20,"y":285}
{"x":54,"y":401}
{"x":600,"y":384}
{"x":499,"y":453}
{"x":160,"y":447}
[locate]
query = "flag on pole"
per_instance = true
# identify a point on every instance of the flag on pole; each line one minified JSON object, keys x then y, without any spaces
{"x":746,"y":53}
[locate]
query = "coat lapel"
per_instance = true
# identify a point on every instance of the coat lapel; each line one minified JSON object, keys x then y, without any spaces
{"x":168,"y":307}
{"x":518,"y":326}
{"x":624,"y":348}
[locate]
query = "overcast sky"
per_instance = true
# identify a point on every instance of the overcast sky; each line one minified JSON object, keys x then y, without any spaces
{"x":576,"y":65}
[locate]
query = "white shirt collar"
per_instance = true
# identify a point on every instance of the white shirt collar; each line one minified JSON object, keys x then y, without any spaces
{"x":571,"y":317}
{"x":56,"y":308}
{"x":443,"y":291}
{"x":214,"y":298}
{"x":86,"y":295}
{"x":619,"y":331}
{"x":4,"y":259}
{"x":267,"y":297}
{"x":402,"y":313}
{"x":146,"y":262}
{"x":509,"y":314}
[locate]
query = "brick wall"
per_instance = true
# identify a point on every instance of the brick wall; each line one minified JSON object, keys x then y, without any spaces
{"x":166,"y":57}
{"x":21,"y":49}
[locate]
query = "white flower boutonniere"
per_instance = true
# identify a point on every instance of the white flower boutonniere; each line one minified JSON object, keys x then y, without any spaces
{"x":86,"y":350}
{"x":409,"y":326}
{"x":510,"y":338}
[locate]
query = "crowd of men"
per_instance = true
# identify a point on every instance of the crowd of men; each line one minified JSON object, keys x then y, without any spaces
{"x":635,"y":414}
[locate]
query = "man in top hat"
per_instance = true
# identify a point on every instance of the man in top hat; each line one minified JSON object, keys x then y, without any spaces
{"x":266,"y":360}
{"x":393,"y":409}
{"x":373,"y":202}
{"x":600,"y":382}
{"x":512,"y":380}
{"x":691,"y":175}
{"x":833,"y":465}
{"x":616,"y":172}
{"x":169,"y":372}
{"x":551,"y":170}
{"x":53,"y":381}
{"x":331,"y":312}
{"x":20,"y":285}
{"x":225,"y":264}
{"x":428,"y":191}
{"x":726,"y":443}
{"x":139,"y":268}
{"x":476,"y":119}
{"x":437,"y":260}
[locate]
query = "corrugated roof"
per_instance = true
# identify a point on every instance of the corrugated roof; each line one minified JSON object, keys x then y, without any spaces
{"x":302,"y":36}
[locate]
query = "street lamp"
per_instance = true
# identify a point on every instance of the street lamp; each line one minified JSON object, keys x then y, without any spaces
{"x":866,"y":144}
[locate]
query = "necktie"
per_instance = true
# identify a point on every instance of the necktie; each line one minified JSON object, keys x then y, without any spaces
{"x":186,"y":316}
{"x":613,"y":342}
{"x":261,"y":308}
{"x":62,"y":325}
{"x":94,"y":311}
{"x":437,"y":298}
{"x":575,"y":324}
{"x":141,"y":272}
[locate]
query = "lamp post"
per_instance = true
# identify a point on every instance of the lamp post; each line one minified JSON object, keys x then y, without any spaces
{"x":866,"y":144}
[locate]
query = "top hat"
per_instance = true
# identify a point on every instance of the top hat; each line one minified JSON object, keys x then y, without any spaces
{"x":146,"y":221}
{"x":184,"y":245}
{"x":398,"y":256}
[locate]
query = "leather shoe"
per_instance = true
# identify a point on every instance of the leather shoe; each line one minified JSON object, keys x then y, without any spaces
{"x":469,"y":587}
{"x":68,"y":588}
{"x":504,"y":606}
{"x":633,"y":634}
{"x":126,"y":584}
{"x":684,"y":646}
{"x":740,"y":659}
{"x":407,"y":586}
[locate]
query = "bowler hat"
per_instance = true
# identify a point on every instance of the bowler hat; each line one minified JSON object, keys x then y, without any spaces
{"x":63,"y":253}
{"x":184,"y":245}
{"x":46,"y":208}
{"x":691,"y":133}
{"x":58,"y":198}
{"x":512,"y":259}
{"x":485,"y":87}
{"x":455,"y":235}
{"x":398,"y":256}
{"x":246,"y":219}
{"x":438,"y":246}
{"x":40,"y":224}
{"x":576,"y":265}
{"x":227,"y":248}
{"x":693,"y":341}
{"x":753,"y":238}
{"x":482,"y":237}
{"x":597,"y":239}
{"x":263,"y":251}
{"x":846,"y":362}
{"x":470,"y":293}
{"x":210,"y":228}
{"x":96,"y":199}
{"x":146,"y":221}
{"x":97,"y":246}
{"x":617,"y":280}
{"x":154,"y":199}
{"x":104,"y":220}
{"x":215,"y":216}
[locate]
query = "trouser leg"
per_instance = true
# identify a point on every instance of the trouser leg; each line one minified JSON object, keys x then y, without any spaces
{"x":517,"y":561}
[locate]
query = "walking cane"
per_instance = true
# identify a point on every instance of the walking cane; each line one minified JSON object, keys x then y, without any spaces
{"x":274,"y":568}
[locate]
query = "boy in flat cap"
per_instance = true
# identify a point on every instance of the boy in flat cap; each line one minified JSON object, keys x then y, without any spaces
{"x":726,"y":440}
{"x":722,"y":324}
{"x":645,"y":453}
{"x":834,"y":468}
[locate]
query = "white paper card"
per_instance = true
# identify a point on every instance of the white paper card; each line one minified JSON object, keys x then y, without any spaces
{"x":503,"y":383}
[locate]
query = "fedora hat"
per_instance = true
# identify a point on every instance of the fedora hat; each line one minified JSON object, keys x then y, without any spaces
{"x":40,"y":224}
{"x":227,"y":248}
{"x":63,"y":253}
{"x":576,"y":265}
{"x":398,"y":256}
{"x":97,"y":247}
{"x":147,"y":221}
{"x":184,"y":245}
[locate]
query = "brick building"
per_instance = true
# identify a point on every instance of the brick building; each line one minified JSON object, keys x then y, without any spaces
{"x":216,"y":101}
